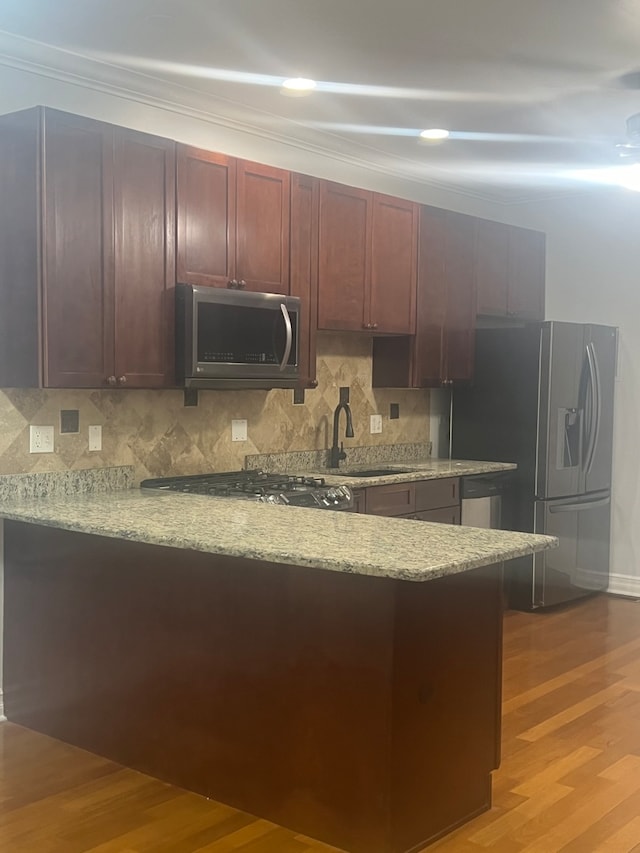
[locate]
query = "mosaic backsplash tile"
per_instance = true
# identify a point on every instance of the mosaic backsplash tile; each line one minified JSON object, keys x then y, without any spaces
{"x":154,"y":432}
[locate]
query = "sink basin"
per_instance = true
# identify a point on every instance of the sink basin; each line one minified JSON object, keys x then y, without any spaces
{"x":378,"y":472}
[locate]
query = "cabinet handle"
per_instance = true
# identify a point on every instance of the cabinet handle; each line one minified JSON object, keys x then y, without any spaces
{"x":122,"y":380}
{"x":111,"y":380}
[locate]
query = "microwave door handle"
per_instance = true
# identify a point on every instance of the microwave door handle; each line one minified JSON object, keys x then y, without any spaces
{"x":289,"y":330}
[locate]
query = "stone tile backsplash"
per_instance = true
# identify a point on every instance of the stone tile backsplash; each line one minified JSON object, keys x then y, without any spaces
{"x":154,"y":432}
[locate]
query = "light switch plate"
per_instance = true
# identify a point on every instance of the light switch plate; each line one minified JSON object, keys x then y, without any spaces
{"x":238,"y":430}
{"x":40,"y":439}
{"x":375,"y":423}
{"x":95,"y":437}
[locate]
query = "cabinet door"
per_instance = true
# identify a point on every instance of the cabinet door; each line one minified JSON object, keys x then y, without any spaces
{"x":144,"y":213}
{"x":304,"y":268}
{"x":344,"y":256}
{"x":359,"y":501}
{"x":394,"y":253}
{"x":526,"y":274}
{"x":78,"y":252}
{"x":396,"y":499}
{"x":434,"y":494}
{"x":429,"y":354}
{"x":206,"y":208}
{"x":461,"y":298}
{"x":262,"y":228}
{"x":491,"y":267}
{"x":20,"y":268}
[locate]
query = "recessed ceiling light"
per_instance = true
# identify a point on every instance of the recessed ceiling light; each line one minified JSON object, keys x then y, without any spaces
{"x":435,"y":134}
{"x":299,"y":84}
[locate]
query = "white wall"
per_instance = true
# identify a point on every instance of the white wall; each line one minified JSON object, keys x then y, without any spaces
{"x":593,"y":275}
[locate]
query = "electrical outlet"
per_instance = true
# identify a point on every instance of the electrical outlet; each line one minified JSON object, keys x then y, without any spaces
{"x":375,"y":423}
{"x":40,"y":439}
{"x":238,"y":430}
{"x":95,"y":437}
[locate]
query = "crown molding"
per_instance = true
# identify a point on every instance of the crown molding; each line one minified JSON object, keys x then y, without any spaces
{"x":77,"y":69}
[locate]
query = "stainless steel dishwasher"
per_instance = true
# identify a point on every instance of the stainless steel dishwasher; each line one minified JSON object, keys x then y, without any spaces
{"x":481,"y":499}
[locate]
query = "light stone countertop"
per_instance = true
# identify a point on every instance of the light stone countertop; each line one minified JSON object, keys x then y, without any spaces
{"x":322,"y":539}
{"x":430,"y":469}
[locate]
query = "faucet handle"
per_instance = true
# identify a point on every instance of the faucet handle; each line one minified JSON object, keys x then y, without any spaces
{"x":343,"y":455}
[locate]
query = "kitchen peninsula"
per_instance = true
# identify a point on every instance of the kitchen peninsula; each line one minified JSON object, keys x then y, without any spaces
{"x":335,"y":673}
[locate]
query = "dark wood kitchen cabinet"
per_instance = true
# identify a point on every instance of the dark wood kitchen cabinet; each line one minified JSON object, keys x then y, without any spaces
{"x":367,"y":261}
{"x":419,"y":500}
{"x":510,"y":271}
{"x":86,"y":253}
{"x":233,"y":222}
{"x":441,"y":353}
{"x":304,"y":269}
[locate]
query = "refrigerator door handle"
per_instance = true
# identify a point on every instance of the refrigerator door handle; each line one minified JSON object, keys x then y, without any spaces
{"x":596,"y":406}
{"x":582,"y":505}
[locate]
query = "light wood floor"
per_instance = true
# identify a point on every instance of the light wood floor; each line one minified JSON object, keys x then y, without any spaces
{"x":569,"y":780}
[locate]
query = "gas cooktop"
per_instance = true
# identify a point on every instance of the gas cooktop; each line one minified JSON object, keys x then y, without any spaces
{"x":261,"y":486}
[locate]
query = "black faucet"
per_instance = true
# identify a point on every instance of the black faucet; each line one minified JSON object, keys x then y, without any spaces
{"x":337,"y":453}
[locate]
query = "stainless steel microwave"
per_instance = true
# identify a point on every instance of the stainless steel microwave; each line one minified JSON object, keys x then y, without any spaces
{"x":236,"y":339}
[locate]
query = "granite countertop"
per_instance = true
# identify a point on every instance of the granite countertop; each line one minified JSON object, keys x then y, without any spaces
{"x":322,"y":539}
{"x":429,"y":469}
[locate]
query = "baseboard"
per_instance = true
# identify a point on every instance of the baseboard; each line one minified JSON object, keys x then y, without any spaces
{"x":628,"y":585}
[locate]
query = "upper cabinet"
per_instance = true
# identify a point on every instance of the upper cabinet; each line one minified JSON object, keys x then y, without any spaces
{"x":441,"y":353}
{"x":510,"y":271}
{"x":367,"y":256}
{"x":445,"y":335}
{"x":233,"y":222}
{"x":304,"y":268}
{"x":88,"y":237}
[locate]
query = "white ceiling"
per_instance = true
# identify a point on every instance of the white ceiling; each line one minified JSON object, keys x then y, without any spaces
{"x":542,"y":70}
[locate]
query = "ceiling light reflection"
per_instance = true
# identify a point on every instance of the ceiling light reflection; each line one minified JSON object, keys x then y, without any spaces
{"x":626,"y":176}
{"x":435,"y":134}
{"x":204,"y":72}
{"x":299,"y":84}
{"x":464,"y":135}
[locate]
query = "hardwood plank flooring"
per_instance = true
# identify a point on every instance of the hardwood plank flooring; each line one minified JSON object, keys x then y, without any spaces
{"x":569,"y":779}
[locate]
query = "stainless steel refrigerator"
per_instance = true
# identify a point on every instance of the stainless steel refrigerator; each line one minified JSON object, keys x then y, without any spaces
{"x":543,"y":397}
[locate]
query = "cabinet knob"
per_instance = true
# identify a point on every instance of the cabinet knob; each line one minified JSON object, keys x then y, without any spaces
{"x":242,"y":284}
{"x":122,"y":380}
{"x":111,"y":380}
{"x":232,"y":284}
{"x":313,"y":383}
{"x":366,"y":325}
{"x":374,"y":325}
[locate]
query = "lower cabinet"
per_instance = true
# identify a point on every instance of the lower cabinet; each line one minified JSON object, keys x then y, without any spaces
{"x":420,"y":500}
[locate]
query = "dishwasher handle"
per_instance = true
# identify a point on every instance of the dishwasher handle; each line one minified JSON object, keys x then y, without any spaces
{"x":482,"y":487}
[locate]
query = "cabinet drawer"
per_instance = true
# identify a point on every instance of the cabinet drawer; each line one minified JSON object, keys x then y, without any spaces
{"x":398,"y":499}
{"x":444,"y":515}
{"x":432,"y":494}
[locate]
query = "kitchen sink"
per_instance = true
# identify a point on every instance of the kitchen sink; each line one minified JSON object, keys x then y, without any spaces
{"x":378,"y":472}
